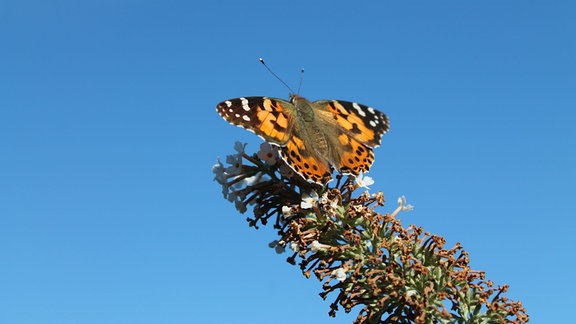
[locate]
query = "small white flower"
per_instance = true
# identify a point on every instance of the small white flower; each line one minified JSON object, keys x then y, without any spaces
{"x":316,"y":246}
{"x":268,"y":153}
{"x":309,"y":200}
{"x":280,"y":249}
{"x":240,"y":206}
{"x":273,"y":244}
{"x":218,"y":169}
{"x":294,"y":246}
{"x":334,"y":203}
{"x":278,"y":246}
{"x":402,"y":203}
{"x":232,"y":194}
{"x":286,"y":212}
{"x":235,"y":162}
{"x":411,"y":292}
{"x":364,"y":181}
{"x":250,"y":181}
{"x":239,"y":147}
{"x":339,"y":274}
{"x":286,"y":171}
{"x":402,"y":206}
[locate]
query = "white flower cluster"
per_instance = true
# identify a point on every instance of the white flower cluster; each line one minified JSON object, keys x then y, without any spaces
{"x":234,"y":177}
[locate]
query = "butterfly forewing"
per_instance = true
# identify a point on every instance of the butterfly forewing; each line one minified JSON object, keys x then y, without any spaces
{"x":270,"y":118}
{"x":363,"y":123}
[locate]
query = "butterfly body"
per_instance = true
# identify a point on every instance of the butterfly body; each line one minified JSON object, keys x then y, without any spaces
{"x":313,"y":136}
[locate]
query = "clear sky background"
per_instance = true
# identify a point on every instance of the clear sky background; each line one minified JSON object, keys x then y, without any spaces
{"x":108,"y":132}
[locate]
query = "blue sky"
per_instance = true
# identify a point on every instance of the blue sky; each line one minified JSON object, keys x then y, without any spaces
{"x":108,"y":132}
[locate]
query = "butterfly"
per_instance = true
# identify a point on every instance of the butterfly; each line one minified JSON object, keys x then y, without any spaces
{"x":313,"y":137}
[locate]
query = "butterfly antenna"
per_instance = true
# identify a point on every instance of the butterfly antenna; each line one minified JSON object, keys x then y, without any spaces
{"x":301,"y":78}
{"x":277,"y":77}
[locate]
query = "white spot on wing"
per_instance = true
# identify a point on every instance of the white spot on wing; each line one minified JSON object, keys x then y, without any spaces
{"x":371,"y":110}
{"x":372,"y":123}
{"x":359,"y":109}
{"x":228,"y":103}
{"x":244,"y":102}
{"x":246,"y":118}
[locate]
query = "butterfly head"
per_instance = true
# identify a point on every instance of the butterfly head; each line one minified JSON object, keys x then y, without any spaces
{"x":295,"y":98}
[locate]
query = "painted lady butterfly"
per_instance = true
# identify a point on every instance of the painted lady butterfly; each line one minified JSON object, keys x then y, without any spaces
{"x":313,"y":136}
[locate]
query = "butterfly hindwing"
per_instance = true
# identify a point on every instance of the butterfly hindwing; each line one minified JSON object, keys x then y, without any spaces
{"x":356,"y":157}
{"x":304,"y":160}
